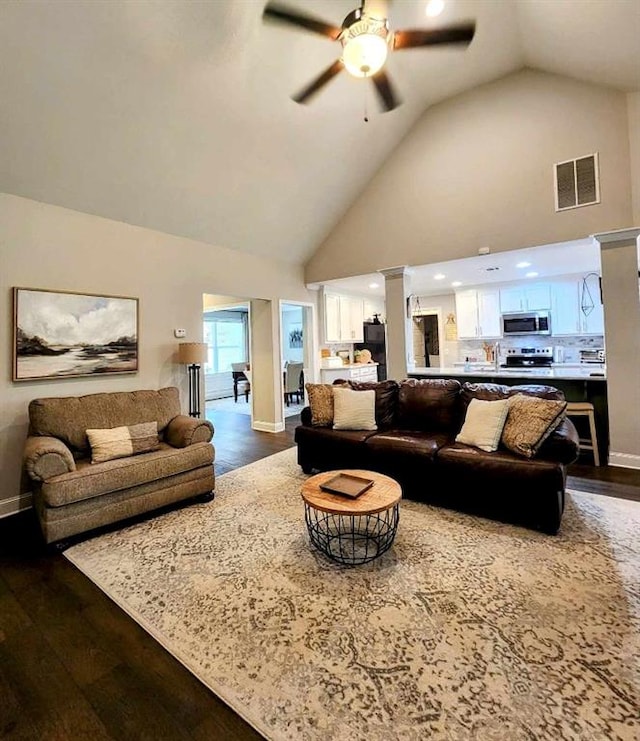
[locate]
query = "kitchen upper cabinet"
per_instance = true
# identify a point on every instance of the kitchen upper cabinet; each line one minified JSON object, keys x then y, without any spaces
{"x":533,"y":297}
{"x":343,"y":318}
{"x":564,"y":308}
{"x":332,"y":318}
{"x":576,"y":309}
{"x":351,"y":319}
{"x":478,"y":313}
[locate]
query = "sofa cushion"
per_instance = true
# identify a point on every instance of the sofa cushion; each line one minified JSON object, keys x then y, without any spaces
{"x":68,"y":418}
{"x":530,"y":422}
{"x":93,"y":479}
{"x":121,"y":442}
{"x":406,"y":446}
{"x":324,"y":436}
{"x":386,"y":399}
{"x":430,"y":404}
{"x":477,"y":468}
{"x":353,"y":410}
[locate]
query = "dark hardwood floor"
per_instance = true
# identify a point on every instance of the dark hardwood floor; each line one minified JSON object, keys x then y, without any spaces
{"x":75,"y":666}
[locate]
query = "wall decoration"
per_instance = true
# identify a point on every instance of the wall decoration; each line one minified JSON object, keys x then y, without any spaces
{"x":58,"y":334}
{"x":451,"y":328}
{"x":295,"y":337}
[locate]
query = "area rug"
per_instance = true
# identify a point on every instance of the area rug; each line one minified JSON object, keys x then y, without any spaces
{"x":465,"y":629}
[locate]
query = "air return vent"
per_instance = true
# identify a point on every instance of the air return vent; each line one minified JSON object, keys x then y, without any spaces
{"x":577,"y":182}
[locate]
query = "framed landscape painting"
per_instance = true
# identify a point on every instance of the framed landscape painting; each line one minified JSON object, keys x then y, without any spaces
{"x":58,"y":334}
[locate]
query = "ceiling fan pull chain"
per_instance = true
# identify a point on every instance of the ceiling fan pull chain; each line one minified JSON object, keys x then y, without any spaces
{"x":366,"y":111}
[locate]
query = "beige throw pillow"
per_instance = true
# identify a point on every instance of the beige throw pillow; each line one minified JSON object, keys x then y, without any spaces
{"x":121,"y":442}
{"x":354,"y":410}
{"x":529,"y":423}
{"x":321,"y":403}
{"x":483,"y":424}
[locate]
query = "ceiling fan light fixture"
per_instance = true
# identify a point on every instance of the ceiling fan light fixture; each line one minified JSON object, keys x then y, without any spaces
{"x":364,"y":46}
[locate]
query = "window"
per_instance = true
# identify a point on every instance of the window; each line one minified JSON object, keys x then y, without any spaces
{"x":225,"y":332}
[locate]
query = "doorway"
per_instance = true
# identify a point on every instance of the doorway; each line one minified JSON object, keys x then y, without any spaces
{"x":426,"y":334}
{"x":296,"y":331}
{"x":227,"y":374}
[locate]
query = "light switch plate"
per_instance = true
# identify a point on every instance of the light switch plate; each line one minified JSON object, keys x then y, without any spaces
{"x":180,"y":332}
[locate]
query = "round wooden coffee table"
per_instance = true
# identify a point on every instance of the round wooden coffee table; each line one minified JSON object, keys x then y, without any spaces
{"x":352,"y":530}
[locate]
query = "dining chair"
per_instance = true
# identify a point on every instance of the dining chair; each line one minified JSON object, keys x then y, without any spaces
{"x":239,"y":377}
{"x":293,"y":382}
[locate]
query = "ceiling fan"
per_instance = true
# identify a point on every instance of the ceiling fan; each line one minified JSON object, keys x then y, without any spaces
{"x":366,"y":41}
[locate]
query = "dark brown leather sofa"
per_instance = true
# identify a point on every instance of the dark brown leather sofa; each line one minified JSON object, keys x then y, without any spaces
{"x":415,"y":444}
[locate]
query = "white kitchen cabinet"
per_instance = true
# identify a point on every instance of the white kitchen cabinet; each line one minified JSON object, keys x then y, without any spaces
{"x":489,"y":324}
{"x":331,"y":318}
{"x":343,"y":318}
{"x":531,"y":297}
{"x":565,"y":319}
{"x":467,"y":314}
{"x":478,"y":313}
{"x":567,"y":314}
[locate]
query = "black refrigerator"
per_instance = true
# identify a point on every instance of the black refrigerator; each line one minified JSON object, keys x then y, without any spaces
{"x":375,"y":343}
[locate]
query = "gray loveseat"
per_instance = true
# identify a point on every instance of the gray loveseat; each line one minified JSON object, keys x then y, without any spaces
{"x":72,"y":495}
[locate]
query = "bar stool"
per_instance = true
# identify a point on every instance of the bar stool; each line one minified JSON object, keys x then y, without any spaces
{"x":585,"y":409}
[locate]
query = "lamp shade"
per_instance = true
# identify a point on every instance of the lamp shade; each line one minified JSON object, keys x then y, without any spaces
{"x":192,"y":352}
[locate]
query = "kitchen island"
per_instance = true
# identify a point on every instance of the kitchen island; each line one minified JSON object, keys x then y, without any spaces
{"x":578,"y":383}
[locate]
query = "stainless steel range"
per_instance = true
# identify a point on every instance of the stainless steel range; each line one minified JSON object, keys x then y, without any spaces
{"x":528,"y":357}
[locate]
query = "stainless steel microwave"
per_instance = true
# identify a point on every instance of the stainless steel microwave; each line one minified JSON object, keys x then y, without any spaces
{"x":526,"y":322}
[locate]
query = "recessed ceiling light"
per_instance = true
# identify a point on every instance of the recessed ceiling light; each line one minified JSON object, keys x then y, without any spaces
{"x":374,"y":285}
{"x":439,"y":276}
{"x":523,"y":265}
{"x":531,"y":274}
{"x":456,"y":283}
{"x":434,"y":8}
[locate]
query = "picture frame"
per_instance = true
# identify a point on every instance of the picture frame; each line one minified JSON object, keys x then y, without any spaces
{"x":65,"y":334}
{"x":295,"y":336}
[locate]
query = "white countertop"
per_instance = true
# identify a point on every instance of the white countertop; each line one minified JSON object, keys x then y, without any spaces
{"x":346,"y":365}
{"x":570,"y":372}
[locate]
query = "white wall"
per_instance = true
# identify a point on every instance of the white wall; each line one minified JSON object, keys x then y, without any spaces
{"x":477,"y":170}
{"x":44,"y":246}
{"x":633,"y":106}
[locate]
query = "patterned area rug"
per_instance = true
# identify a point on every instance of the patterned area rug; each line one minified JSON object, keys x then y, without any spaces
{"x":465,"y":629}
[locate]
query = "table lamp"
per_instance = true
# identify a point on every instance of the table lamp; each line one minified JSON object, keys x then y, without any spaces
{"x":193,"y":354}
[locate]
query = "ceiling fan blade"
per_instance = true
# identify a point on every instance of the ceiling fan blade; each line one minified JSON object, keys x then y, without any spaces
{"x":461,"y":33}
{"x":384,"y":88}
{"x":282,"y":14}
{"x":319,"y":82}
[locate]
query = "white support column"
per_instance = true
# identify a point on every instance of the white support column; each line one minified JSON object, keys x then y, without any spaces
{"x":397,"y":291}
{"x":266,"y":366}
{"x":621,"y":300}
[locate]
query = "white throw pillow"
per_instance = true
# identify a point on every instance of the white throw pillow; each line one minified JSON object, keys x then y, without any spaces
{"x":354,"y":410}
{"x":483,"y":424}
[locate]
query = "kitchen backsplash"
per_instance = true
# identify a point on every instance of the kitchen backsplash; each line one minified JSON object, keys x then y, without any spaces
{"x":472,"y":349}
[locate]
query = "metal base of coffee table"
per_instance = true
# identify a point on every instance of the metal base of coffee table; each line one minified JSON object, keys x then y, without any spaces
{"x":352,"y":539}
{"x":352,"y":530}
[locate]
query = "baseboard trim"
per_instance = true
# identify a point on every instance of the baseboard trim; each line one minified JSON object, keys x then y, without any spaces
{"x":13,"y":505}
{"x":624,"y":460}
{"x":268,"y":426}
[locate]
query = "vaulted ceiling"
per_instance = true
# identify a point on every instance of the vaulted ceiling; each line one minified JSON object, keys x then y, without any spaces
{"x":176,"y":115}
